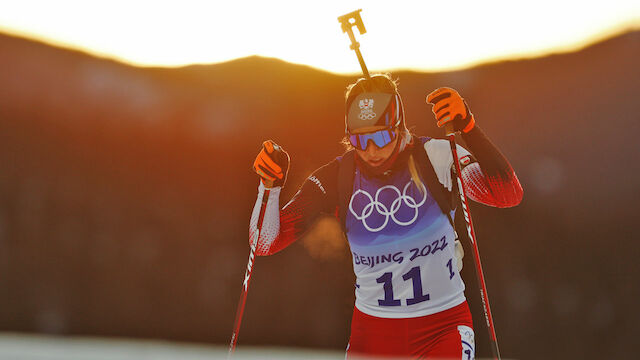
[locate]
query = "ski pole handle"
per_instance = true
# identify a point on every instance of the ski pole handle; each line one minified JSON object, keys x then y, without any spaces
{"x":448,"y":129}
{"x":268,"y":184}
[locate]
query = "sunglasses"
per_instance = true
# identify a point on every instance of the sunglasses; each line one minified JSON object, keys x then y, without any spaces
{"x":380,"y":138}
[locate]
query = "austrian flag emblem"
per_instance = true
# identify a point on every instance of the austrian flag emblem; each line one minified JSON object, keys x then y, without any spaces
{"x":366,"y":109}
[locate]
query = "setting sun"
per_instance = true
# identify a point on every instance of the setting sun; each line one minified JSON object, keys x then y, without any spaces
{"x":410,"y":35}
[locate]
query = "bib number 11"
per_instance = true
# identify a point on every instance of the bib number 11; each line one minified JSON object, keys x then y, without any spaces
{"x":414,"y":276}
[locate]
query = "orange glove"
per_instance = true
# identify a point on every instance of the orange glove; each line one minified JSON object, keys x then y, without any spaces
{"x":272,"y":164}
{"x":450,"y":107}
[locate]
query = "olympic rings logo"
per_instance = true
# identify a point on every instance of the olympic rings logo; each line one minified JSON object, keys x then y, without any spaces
{"x":367,"y":115}
{"x":388,"y":213}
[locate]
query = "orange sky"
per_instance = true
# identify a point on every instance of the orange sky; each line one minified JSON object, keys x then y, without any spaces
{"x":421,"y":35}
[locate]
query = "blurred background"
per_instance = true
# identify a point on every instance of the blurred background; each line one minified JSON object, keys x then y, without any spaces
{"x":126,"y":188}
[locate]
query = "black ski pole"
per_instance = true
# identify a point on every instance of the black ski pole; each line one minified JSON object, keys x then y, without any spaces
{"x":472,"y":236}
{"x":247,"y":276}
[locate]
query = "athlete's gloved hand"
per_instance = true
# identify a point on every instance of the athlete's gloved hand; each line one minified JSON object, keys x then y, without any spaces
{"x":450,"y":107}
{"x":272,"y":164}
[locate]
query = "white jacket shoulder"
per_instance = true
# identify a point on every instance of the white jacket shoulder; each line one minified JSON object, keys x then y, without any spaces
{"x":439,"y":152}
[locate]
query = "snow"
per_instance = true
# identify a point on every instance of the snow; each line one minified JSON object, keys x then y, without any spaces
{"x":17,"y":346}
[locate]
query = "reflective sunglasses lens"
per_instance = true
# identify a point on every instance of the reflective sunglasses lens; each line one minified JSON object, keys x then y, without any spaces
{"x":380,"y":138}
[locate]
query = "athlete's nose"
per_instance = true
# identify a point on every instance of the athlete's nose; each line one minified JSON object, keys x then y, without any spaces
{"x":371,"y":147}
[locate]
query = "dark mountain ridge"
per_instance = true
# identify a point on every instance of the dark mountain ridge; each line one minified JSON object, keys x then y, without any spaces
{"x":125,"y":196}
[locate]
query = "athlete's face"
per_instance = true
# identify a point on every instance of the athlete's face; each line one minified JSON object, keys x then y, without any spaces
{"x":375,"y":156}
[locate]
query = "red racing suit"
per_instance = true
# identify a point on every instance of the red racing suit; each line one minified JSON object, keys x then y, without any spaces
{"x":402,"y":245}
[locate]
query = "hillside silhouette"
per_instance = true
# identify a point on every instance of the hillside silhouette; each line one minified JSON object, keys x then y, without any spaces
{"x":125,"y":196}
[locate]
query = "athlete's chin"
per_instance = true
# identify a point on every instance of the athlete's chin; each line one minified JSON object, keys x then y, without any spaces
{"x":375,"y":163}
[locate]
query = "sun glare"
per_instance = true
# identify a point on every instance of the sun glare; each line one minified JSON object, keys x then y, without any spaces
{"x":412,"y":35}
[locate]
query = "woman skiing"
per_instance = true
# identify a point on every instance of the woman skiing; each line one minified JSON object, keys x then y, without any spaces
{"x":396,"y":208}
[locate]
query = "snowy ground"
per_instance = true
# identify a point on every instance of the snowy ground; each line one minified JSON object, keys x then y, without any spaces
{"x":14,"y":346}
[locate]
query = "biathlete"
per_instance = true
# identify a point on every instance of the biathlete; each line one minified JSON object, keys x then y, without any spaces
{"x":409,"y":296}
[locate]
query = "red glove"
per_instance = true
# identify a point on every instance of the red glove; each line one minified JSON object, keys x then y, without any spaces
{"x":450,"y":107}
{"x":272,"y":164}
